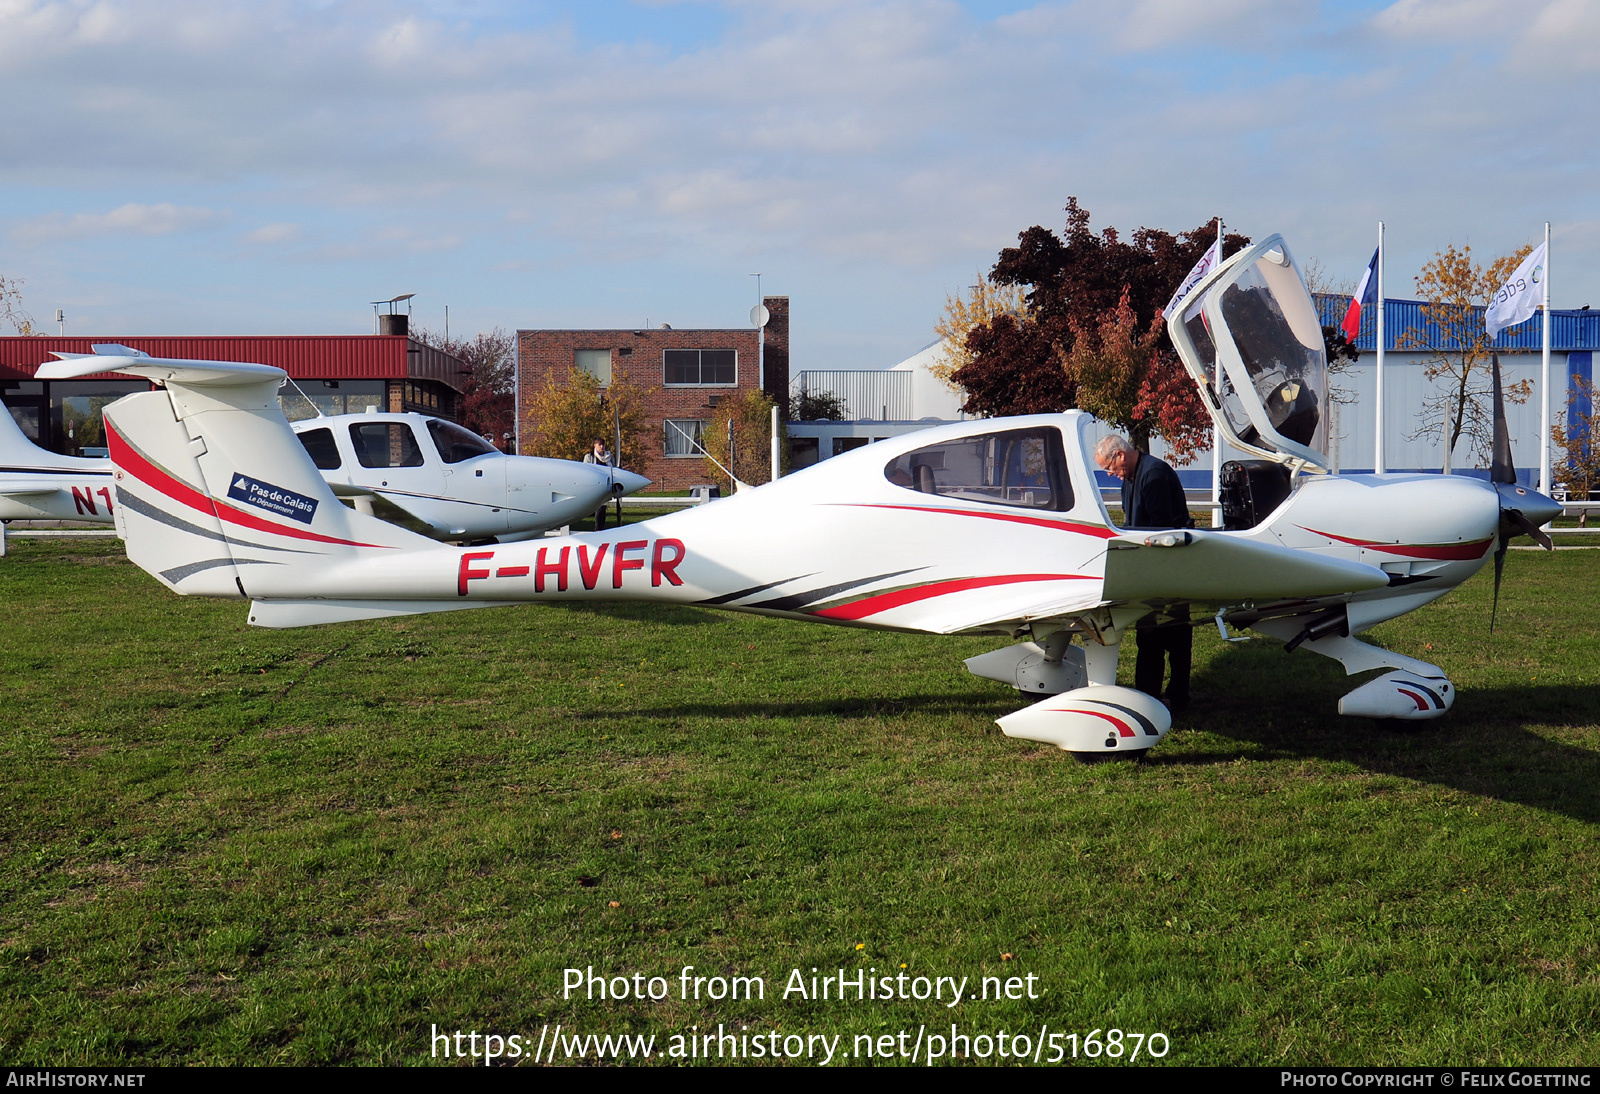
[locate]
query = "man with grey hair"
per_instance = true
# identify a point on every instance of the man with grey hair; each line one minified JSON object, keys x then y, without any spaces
{"x":1152,"y":498}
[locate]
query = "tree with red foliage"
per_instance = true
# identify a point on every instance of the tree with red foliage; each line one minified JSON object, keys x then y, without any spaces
{"x":487,"y":381}
{"x":1014,"y":370}
{"x":1091,"y":288}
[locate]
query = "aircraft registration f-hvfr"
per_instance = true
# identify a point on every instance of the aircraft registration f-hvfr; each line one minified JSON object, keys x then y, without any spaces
{"x":984,"y":527}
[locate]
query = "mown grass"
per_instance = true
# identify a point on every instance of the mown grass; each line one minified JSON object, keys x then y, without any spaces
{"x":225,"y":845}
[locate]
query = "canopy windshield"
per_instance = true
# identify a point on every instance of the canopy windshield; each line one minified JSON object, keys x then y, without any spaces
{"x":1274,"y":326}
{"x":1253,"y":342}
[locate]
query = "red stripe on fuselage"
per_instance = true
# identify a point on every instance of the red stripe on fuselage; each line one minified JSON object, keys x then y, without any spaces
{"x":1448,"y":552}
{"x":134,"y":462}
{"x":1099,"y":531}
{"x":872,"y":605}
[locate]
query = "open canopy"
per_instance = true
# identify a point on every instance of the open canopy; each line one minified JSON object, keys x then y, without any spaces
{"x":1255,"y":319}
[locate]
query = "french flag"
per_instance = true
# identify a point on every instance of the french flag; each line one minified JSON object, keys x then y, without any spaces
{"x":1366,"y":293}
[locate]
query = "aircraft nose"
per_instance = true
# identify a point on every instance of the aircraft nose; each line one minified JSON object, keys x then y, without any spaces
{"x":629,"y":482}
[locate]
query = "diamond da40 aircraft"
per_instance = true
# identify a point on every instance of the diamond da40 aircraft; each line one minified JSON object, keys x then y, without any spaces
{"x":446,"y":479}
{"x":983,"y":527}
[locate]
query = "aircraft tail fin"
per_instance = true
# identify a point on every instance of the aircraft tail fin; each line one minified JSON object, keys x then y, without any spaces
{"x":217,"y":495}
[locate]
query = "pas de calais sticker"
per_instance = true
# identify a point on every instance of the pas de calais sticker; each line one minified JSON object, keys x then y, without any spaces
{"x":274,"y":499}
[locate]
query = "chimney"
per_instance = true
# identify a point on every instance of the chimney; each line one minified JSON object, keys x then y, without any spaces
{"x":776,"y":351}
{"x":394,"y":324}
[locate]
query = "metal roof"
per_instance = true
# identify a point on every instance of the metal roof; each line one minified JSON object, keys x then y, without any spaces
{"x":1569,"y":330}
{"x":302,"y":356}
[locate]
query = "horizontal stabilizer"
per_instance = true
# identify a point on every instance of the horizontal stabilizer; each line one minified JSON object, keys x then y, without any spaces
{"x":282,"y":614}
{"x":22,"y":488}
{"x":1208,"y":566}
{"x":198,"y":373}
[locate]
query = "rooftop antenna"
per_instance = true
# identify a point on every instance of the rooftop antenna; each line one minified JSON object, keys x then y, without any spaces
{"x":61,"y":320}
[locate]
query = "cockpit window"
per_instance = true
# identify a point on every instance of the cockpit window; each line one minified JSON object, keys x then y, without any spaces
{"x":385,"y":444}
{"x":457,"y":444}
{"x":319,"y":443}
{"x":1021,"y":467}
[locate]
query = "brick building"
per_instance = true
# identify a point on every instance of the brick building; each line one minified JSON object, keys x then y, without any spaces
{"x":689,"y":374}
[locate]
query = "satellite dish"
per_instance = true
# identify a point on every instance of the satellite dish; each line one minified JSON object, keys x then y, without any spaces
{"x":759,"y":315}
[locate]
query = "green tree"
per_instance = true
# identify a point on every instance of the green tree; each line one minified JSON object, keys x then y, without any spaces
{"x":818,"y":406}
{"x":1455,"y":290}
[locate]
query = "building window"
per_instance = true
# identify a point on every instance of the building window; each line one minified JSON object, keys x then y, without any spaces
{"x":595,"y":362}
{"x":686,"y":367}
{"x":684,"y":437}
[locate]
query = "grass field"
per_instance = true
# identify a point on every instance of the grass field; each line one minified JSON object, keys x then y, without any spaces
{"x":225,"y":845}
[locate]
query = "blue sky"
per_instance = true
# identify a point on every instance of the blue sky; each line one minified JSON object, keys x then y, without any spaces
{"x":210,"y":167}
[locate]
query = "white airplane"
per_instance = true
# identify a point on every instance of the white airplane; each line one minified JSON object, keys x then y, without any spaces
{"x":37,"y":484}
{"x":450,"y":480}
{"x":983,"y":527}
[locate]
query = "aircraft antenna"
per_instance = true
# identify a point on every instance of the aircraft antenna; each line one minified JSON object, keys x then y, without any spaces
{"x":290,"y":381}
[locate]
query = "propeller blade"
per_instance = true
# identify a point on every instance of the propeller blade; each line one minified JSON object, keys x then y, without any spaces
{"x":1501,"y":469}
{"x":1499,"y":568}
{"x":1528,"y":528}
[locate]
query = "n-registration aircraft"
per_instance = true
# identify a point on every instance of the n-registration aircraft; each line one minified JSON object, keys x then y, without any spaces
{"x":37,"y":484}
{"x":985,"y":527}
{"x":447,"y":479}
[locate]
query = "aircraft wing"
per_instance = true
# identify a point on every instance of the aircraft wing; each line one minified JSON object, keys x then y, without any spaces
{"x":1198,"y":567}
{"x":1212,"y":567}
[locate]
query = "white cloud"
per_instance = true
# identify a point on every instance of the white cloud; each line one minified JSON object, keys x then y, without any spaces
{"x":131,"y":219}
{"x":280,"y":232}
{"x":891,"y":145}
{"x":1449,"y":19}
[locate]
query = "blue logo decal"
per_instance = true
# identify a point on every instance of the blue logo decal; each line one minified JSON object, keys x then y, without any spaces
{"x":274,"y":499}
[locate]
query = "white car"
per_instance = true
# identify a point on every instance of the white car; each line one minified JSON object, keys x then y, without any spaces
{"x":452,"y":480}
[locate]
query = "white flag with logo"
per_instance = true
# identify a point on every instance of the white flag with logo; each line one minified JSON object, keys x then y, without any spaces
{"x":1207,"y":263}
{"x":1519,"y":297}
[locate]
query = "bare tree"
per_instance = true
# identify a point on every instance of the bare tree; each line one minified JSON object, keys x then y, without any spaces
{"x":1455,"y":290}
{"x":11,"y":310}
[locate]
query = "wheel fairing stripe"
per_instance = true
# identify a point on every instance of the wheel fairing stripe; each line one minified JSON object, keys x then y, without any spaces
{"x":1422,"y":704}
{"x":1123,"y":728}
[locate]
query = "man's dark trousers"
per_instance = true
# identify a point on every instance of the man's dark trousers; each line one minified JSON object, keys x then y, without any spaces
{"x":1152,"y":498}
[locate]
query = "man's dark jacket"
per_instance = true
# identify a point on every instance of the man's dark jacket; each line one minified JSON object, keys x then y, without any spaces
{"x":1152,"y":497}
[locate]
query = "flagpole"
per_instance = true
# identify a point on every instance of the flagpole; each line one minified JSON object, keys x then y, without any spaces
{"x":1216,"y":430}
{"x":1544,"y":378}
{"x":1377,"y":452}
